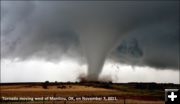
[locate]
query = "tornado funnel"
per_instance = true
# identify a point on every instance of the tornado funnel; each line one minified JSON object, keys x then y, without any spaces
{"x":97,"y":41}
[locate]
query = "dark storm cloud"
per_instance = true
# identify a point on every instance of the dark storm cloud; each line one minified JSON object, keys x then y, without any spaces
{"x":32,"y":30}
{"x":50,"y":30}
{"x":155,"y":45}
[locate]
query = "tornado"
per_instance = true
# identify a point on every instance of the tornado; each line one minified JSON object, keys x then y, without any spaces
{"x":99,"y":34}
{"x":97,"y":42}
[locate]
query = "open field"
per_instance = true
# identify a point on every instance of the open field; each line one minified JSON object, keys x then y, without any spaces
{"x":83,"y":93}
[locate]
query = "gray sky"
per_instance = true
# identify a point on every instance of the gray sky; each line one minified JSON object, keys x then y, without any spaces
{"x":58,"y":40}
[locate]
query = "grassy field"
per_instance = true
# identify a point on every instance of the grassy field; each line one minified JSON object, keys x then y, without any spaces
{"x":83,"y":93}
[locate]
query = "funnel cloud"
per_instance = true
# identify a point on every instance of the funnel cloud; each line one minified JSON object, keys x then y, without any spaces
{"x":142,"y":33}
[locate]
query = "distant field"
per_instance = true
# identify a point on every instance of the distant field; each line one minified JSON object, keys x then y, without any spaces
{"x":132,"y":93}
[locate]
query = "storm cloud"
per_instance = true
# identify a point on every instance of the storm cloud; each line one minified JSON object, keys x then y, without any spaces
{"x":145,"y":33}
